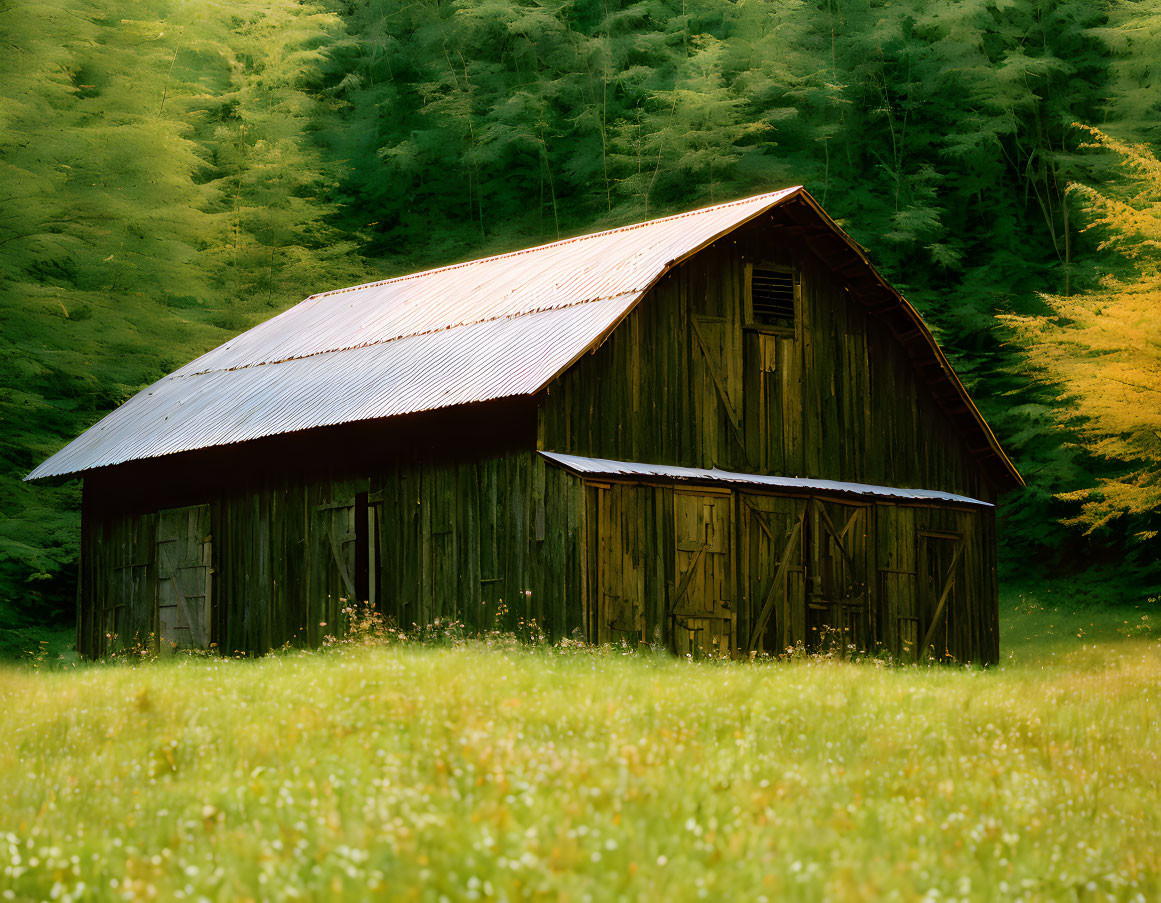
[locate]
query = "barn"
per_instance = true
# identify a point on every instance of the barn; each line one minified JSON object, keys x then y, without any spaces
{"x":722,"y":431}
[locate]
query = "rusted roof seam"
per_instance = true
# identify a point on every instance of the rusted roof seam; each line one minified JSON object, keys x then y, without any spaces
{"x":413,"y":335}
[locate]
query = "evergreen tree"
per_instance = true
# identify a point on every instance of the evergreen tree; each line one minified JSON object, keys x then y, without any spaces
{"x":161,"y":191}
{"x":1133,"y":33}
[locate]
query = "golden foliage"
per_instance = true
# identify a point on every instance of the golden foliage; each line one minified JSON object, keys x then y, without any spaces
{"x":1103,"y":347}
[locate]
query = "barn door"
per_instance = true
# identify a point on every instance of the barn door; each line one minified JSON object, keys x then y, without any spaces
{"x":127,"y":615}
{"x":702,"y":606}
{"x":620,"y":612}
{"x":184,"y":577}
{"x":368,"y":557}
{"x":941,"y":594}
{"x":838,"y":613}
{"x":774,"y":574}
{"x":347,"y":559}
{"x":895,"y":547}
{"x":333,"y":566}
{"x":721,"y":384}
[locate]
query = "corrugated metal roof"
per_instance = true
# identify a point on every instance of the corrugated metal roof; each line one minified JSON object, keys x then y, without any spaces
{"x":486,"y":329}
{"x":492,"y":359}
{"x":668,"y":473}
{"x":555,"y":276}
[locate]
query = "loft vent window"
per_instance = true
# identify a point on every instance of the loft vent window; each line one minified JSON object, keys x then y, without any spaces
{"x":773,"y":297}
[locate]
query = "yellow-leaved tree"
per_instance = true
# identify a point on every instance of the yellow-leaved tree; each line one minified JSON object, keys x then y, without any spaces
{"x":1103,"y":347}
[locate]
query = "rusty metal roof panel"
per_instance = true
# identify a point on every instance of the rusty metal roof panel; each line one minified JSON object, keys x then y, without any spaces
{"x":475,"y":331}
{"x":493,"y":359}
{"x":668,"y":473}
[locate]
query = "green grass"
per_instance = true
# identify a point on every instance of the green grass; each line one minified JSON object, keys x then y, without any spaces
{"x":21,"y":636}
{"x":473,"y":773}
{"x":1055,"y":618}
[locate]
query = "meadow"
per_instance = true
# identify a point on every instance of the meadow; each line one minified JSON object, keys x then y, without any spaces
{"x":477,"y":771}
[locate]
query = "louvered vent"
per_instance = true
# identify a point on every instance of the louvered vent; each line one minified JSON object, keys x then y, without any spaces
{"x":773,"y":294}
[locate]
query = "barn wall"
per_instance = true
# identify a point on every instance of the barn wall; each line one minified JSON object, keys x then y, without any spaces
{"x":778,"y":556}
{"x":117,"y":600}
{"x":271,"y":528}
{"x":682,"y":381}
{"x":494,"y":542}
{"x":269,"y":581}
{"x":277,"y":579}
{"x":489,"y":542}
{"x":505,"y":540}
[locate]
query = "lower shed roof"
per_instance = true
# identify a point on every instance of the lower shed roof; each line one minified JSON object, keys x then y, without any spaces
{"x":669,"y":473}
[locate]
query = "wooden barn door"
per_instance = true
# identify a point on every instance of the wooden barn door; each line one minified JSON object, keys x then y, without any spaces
{"x":895,"y":548}
{"x":124,"y":603}
{"x":702,"y":606}
{"x":184,"y":577}
{"x":332,"y":568}
{"x":347,"y":560}
{"x":719,"y":388}
{"x":942,"y":597}
{"x":620,"y":590}
{"x":368,"y":555}
{"x":774,"y":572}
{"x":838,"y":612}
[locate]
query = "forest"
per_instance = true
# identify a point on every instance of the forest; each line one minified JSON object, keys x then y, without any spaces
{"x":172,"y":173}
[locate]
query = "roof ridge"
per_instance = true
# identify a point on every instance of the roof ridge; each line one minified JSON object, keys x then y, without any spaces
{"x":563,"y":241}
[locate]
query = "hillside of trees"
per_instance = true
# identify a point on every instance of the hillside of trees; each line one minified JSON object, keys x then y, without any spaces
{"x":173,"y":172}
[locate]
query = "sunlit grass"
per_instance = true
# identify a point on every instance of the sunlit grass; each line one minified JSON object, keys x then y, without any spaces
{"x":1053,"y":618}
{"x":469,"y":773}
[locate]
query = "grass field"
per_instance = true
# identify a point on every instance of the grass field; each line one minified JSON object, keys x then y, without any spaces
{"x":473,"y":773}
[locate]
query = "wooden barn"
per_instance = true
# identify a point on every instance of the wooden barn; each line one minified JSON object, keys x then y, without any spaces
{"x":722,"y":430}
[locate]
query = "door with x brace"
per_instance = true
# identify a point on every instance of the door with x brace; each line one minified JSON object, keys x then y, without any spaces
{"x":183,"y":577}
{"x":942,"y":598}
{"x":702,"y":605}
{"x":772,"y":545}
{"x":838,"y":613}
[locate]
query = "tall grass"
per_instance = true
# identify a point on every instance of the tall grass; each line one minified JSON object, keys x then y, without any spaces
{"x":475,"y":773}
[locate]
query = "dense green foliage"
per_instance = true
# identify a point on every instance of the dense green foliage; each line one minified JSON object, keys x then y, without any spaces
{"x":161,"y":192}
{"x":171,"y":173}
{"x":396,"y":772}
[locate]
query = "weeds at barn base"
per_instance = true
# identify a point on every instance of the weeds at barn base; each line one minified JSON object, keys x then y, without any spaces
{"x":366,"y":628}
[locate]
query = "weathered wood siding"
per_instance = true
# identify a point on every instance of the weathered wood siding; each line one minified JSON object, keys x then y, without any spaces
{"x":786,"y":581}
{"x":684,"y":381}
{"x":117,"y":597}
{"x":496,"y":542}
{"x":493,"y":542}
